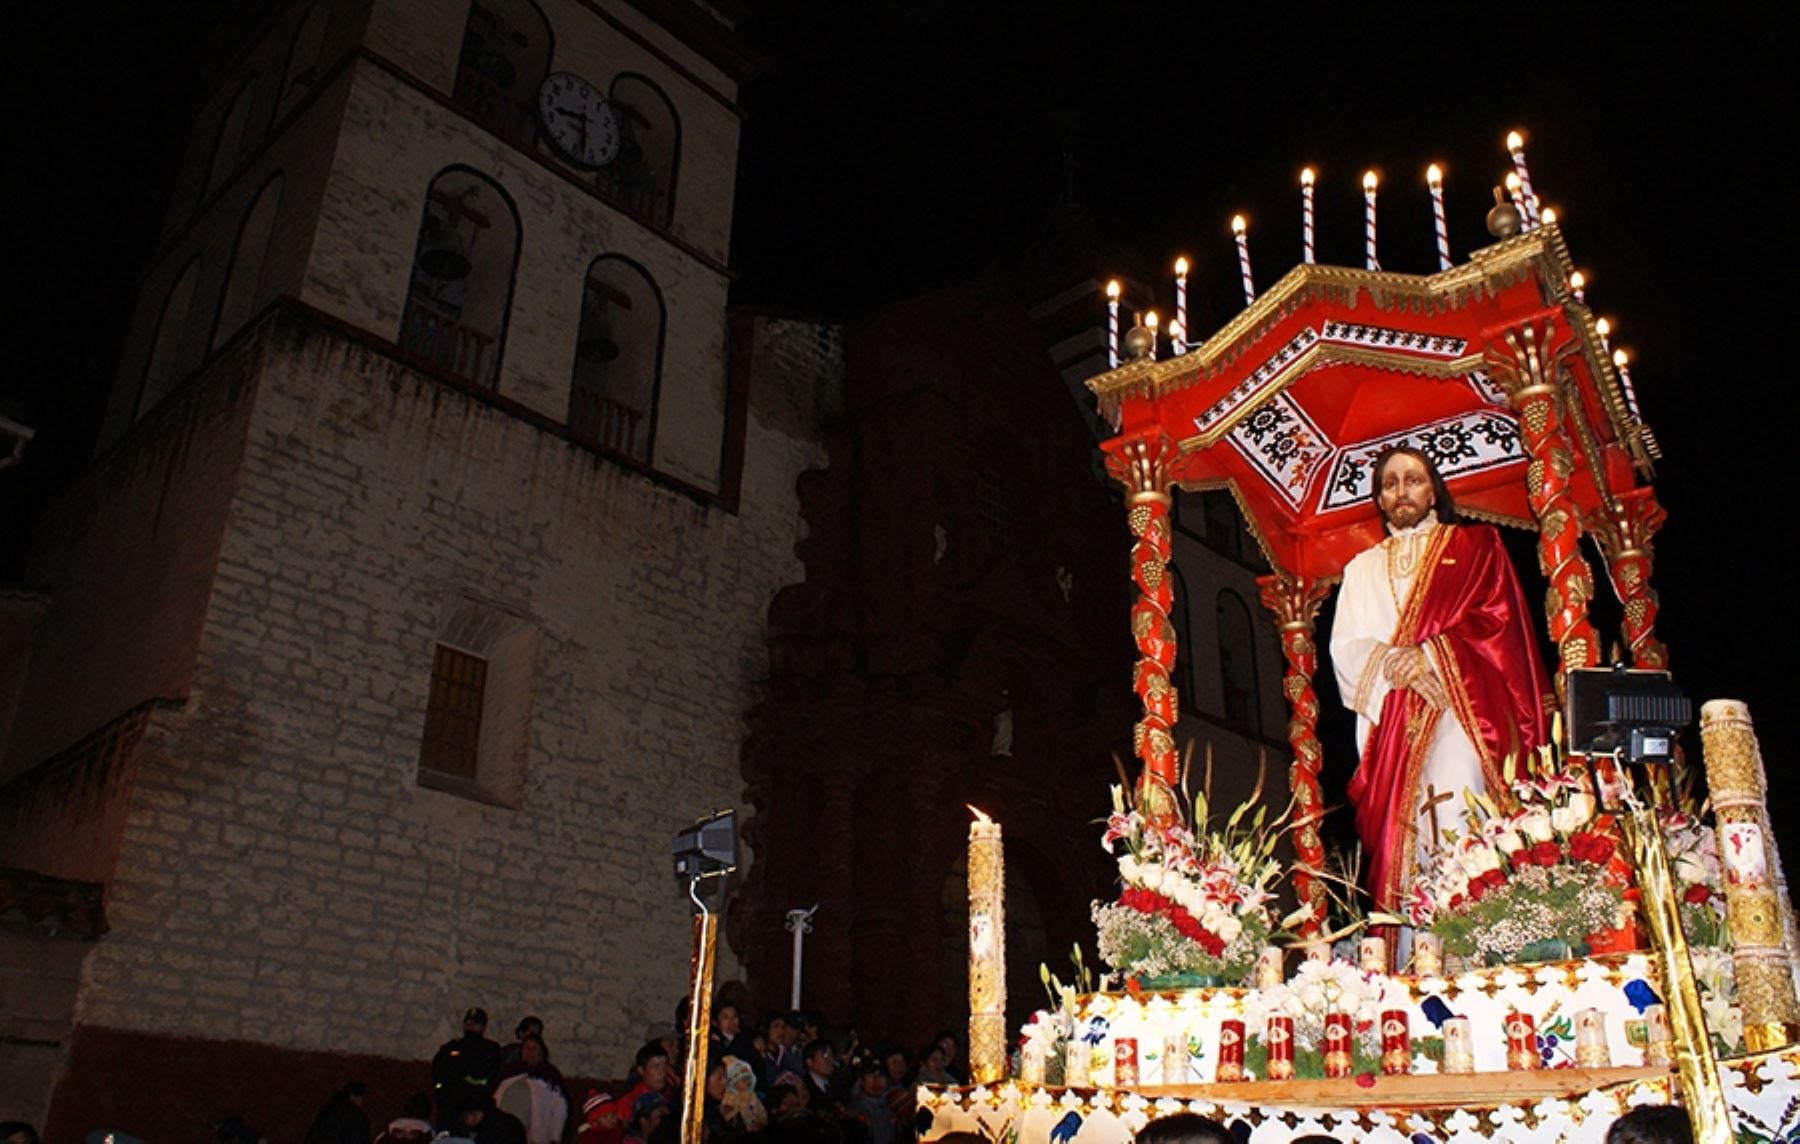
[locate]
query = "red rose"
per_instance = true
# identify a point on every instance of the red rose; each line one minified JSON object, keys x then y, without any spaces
{"x":1697,"y":895}
{"x":1519,"y":859}
{"x":1546,"y":853}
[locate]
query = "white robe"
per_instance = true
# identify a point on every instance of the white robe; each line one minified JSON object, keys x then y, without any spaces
{"x":1368,"y":609}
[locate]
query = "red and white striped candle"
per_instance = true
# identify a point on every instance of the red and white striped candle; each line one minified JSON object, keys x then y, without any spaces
{"x":1306,"y":215}
{"x":1112,"y":324}
{"x":1369,"y":183}
{"x":1434,"y":178}
{"x":1181,"y":271}
{"x":1240,"y":228}
{"x":1578,"y":286}
{"x":1528,"y":204}
{"x":1515,"y":190}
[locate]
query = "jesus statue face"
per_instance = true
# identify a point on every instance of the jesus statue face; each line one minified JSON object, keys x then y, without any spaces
{"x":1405,"y":491}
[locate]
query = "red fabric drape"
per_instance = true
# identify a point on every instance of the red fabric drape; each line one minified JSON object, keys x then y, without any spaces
{"x":1468,"y":605}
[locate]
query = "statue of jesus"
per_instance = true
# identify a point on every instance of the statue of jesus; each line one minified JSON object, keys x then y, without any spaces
{"x":1434,"y":653}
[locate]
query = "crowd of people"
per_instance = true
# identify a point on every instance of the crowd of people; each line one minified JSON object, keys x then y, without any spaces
{"x":783,"y":1076}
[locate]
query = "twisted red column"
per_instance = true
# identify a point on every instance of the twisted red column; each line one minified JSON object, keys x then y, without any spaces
{"x":1524,"y":360}
{"x":1143,"y":467}
{"x":1295,"y":603}
{"x":1624,"y":534}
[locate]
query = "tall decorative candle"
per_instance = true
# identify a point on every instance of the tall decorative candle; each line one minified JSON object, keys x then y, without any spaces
{"x":1112,"y":324}
{"x":1459,"y":1046}
{"x":987,"y":951}
{"x":1306,"y":215}
{"x":1175,"y":1057}
{"x":1590,"y":1040}
{"x":1231,"y":1051}
{"x":1434,"y":178}
{"x":1181,"y":269}
{"x":1396,"y":1043}
{"x":1270,"y":970}
{"x":1150,"y":323}
{"x":1372,"y":954}
{"x":1239,"y":228}
{"x":1428,"y":954}
{"x":1369,"y":183}
{"x":1279,"y":1036}
{"x":1578,"y":286}
{"x":1515,"y":190}
{"x":1528,"y":204}
{"x":1521,"y":1042}
{"x":1336,"y":1046}
{"x":1622,"y":362}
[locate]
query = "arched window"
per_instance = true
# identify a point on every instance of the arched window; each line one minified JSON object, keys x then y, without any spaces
{"x":462,"y":276}
{"x":1237,"y":661}
{"x":231,"y":139}
{"x":642,"y":179}
{"x":618,"y":358}
{"x":506,"y":53}
{"x":169,"y":354}
{"x":304,"y":59}
{"x":243,"y":284}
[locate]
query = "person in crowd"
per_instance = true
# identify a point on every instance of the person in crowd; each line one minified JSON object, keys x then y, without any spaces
{"x":485,"y":1124}
{"x":599,"y":1119}
{"x":343,"y":1118}
{"x":728,"y":1038}
{"x":739,"y":1104}
{"x":820,"y":1060}
{"x":781,"y":1055}
{"x":17,"y":1132}
{"x":1652,"y":1124}
{"x":413,"y":1125}
{"x":529,"y":1026}
{"x":464,"y":1066}
{"x":868,"y":1104}
{"x":932,"y":1068}
{"x":647,"y":1114}
{"x":1185,"y":1128}
{"x":946,"y":1040}
{"x":901,"y":1095}
{"x":532,"y":1089}
{"x":650,"y":1073}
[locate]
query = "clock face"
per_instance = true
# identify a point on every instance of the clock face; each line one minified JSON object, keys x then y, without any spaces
{"x":577,"y":121}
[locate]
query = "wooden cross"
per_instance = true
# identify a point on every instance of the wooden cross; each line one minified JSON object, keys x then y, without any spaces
{"x":1428,"y":809}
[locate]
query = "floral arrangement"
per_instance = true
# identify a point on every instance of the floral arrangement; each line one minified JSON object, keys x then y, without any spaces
{"x":1191,"y":903}
{"x":1321,"y":987}
{"x":1694,"y":857}
{"x":1527,"y":882}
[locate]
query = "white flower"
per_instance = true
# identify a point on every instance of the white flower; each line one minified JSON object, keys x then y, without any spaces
{"x":1509,"y":840}
{"x":1536,"y":825}
{"x":1228,"y":928}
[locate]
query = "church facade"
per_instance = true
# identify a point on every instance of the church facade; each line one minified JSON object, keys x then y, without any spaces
{"x":415,"y":596}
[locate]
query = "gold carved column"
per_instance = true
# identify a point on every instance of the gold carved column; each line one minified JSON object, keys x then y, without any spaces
{"x":1142,"y":466}
{"x":1524,"y":360}
{"x":1624,"y":534}
{"x":1754,"y":902}
{"x":1295,"y":602}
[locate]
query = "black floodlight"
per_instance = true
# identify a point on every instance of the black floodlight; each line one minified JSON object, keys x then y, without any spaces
{"x":707,"y":849}
{"x":1635,"y":716}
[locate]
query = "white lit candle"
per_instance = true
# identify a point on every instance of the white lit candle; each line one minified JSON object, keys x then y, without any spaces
{"x":1306,"y":214}
{"x":1578,"y":286}
{"x":1621,"y":362}
{"x":1603,"y":327}
{"x":1369,"y":184}
{"x":1181,"y":301}
{"x":1112,"y":324}
{"x":1528,"y":207}
{"x":1515,"y":190}
{"x":1150,"y":323}
{"x":1434,"y":178}
{"x":987,"y":951}
{"x":1241,"y":229}
{"x":1547,"y":216}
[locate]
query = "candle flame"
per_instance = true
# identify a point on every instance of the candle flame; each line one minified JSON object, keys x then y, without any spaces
{"x":1578,"y":281}
{"x":1181,"y":267}
{"x":1512,"y":182}
{"x":1112,"y":289}
{"x":1238,"y":225}
{"x":983,"y":819}
{"x":1306,"y":176}
{"x":1514,"y":141}
{"x":1604,"y":327}
{"x":1548,"y":214}
{"x":1369,"y":181}
{"x":1434,"y":175}
{"x":1150,"y":319}
{"x":1175,"y":330}
{"x":1620,"y":359}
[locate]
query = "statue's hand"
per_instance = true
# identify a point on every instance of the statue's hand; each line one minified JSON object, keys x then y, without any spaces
{"x":1431,"y":688}
{"x":1402,"y":666}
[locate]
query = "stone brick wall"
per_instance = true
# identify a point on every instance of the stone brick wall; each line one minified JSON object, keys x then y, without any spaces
{"x":284,"y":878}
{"x":39,"y":976}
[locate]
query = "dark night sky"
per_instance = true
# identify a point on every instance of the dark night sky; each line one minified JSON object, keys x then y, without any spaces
{"x":894,"y":147}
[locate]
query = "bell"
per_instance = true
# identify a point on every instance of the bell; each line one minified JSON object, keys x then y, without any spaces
{"x":443,"y":254}
{"x":1503,"y":219}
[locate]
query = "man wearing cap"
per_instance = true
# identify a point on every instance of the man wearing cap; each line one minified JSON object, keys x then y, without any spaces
{"x":463,"y":1067}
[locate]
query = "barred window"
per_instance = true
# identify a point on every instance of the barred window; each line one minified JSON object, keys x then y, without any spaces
{"x":453,"y":714}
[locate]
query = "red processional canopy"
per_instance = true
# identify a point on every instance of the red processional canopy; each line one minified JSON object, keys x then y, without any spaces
{"x":1289,"y":404}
